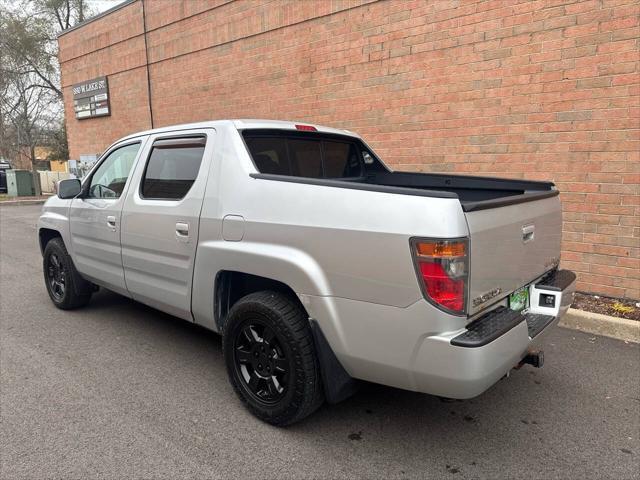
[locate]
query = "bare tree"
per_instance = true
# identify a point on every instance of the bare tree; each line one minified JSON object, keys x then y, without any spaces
{"x":31,"y":94}
{"x":25,"y":110}
{"x":4,"y":89}
{"x":31,"y":35}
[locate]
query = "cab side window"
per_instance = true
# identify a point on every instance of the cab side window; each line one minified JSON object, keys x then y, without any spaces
{"x":172,"y":167}
{"x":110,"y":177}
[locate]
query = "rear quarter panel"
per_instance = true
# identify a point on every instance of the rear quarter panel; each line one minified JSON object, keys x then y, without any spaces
{"x":319,"y":240}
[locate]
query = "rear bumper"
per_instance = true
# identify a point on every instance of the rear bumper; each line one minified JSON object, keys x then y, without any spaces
{"x":465,"y":364}
{"x":413,"y":348}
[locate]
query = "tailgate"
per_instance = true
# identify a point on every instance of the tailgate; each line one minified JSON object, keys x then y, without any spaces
{"x":510,"y":246}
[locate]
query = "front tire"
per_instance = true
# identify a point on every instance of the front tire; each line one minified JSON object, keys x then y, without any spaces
{"x":60,"y":277}
{"x":270,"y":358}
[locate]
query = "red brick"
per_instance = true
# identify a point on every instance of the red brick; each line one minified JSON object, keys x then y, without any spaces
{"x":619,"y":24}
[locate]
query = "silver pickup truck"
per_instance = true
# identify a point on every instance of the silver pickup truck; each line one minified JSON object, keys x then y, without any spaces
{"x":318,"y":264}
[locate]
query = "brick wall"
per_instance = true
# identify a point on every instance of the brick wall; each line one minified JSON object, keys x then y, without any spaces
{"x":114,"y":46}
{"x":545,"y":89}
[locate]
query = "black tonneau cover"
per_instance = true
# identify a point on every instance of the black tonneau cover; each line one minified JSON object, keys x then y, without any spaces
{"x":475,"y":193}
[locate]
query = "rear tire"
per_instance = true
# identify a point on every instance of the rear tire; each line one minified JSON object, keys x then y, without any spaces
{"x":60,"y":277}
{"x":270,"y":357}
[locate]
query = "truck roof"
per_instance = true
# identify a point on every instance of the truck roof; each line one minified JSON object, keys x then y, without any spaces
{"x":244,"y":124}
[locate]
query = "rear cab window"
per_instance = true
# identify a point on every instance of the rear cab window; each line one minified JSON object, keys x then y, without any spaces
{"x":306,"y":154}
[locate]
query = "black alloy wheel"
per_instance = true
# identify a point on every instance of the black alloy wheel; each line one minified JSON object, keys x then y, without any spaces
{"x":260,"y":362}
{"x":66,"y":288}
{"x":57,"y":277}
{"x":270,"y":357}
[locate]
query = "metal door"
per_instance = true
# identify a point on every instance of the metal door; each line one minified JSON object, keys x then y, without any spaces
{"x":161,"y":218}
{"x":95,"y":218}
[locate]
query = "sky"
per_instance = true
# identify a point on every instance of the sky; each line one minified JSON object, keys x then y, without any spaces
{"x":99,"y":6}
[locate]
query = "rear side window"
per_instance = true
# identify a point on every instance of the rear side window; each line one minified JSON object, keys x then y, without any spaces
{"x":341,"y":160}
{"x":304,"y":155}
{"x":172,"y":167}
{"x":270,"y":155}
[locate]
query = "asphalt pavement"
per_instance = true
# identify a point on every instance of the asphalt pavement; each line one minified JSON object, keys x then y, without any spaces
{"x":119,"y":390}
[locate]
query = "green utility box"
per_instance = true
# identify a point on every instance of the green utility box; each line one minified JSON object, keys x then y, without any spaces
{"x":19,"y":183}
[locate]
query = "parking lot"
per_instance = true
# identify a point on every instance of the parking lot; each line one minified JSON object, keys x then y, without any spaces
{"x":118,"y":390}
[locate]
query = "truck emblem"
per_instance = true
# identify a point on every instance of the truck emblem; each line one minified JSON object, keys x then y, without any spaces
{"x":486,"y":296}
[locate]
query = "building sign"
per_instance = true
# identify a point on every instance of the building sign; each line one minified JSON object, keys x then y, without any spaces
{"x":91,"y":98}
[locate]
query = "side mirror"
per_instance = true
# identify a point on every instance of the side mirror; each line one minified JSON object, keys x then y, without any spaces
{"x":68,"y":188}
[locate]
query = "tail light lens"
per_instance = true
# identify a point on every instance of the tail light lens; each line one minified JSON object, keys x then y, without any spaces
{"x":306,"y":128}
{"x":443,"y":271}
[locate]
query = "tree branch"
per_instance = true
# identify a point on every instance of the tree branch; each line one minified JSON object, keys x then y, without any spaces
{"x":58,"y":17}
{"x":67,"y":22}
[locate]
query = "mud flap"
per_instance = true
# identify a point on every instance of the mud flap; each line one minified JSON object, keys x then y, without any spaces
{"x":338,"y":384}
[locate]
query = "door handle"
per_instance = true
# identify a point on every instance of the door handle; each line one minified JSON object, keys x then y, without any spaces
{"x":111,"y":221}
{"x":182,"y":229}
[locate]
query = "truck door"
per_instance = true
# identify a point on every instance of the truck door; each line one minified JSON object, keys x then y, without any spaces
{"x":161,"y":218}
{"x":95,"y":218}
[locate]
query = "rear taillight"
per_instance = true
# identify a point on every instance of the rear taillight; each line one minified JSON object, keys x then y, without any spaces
{"x":443,"y":272}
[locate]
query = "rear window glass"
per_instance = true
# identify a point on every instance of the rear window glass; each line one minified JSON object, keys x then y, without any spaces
{"x":172,"y":168}
{"x":269,"y":155}
{"x":341,"y":160}
{"x":304,"y":156}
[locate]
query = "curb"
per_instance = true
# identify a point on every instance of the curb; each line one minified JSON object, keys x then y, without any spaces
{"x":17,"y":203}
{"x":620,"y":328}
